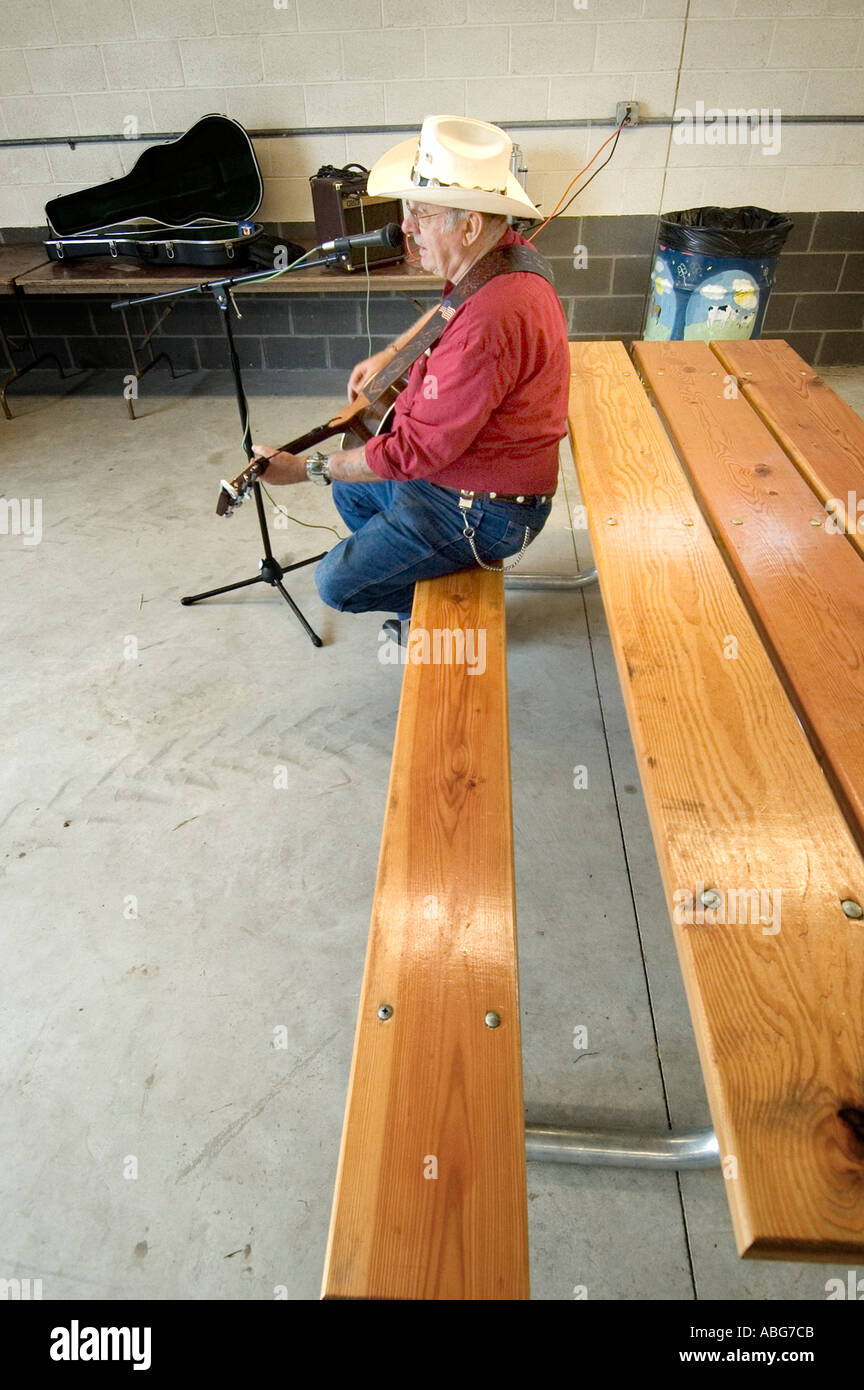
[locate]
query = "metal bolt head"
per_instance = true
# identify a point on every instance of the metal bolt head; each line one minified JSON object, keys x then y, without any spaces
{"x":736,"y":521}
{"x":385,"y":1011}
{"x":492,"y":1020}
{"x":851,"y":908}
{"x":688,"y":521}
{"x":611,"y":521}
{"x":710,"y":899}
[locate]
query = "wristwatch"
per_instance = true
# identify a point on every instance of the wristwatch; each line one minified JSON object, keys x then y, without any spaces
{"x":318,"y":469}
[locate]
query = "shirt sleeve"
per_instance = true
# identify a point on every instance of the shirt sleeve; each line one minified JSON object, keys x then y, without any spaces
{"x":461,"y":383}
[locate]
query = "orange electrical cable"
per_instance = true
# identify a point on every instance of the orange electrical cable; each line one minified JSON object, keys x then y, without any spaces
{"x":575,"y":178}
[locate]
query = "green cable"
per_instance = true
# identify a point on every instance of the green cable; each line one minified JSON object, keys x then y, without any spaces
{"x":312,"y":525}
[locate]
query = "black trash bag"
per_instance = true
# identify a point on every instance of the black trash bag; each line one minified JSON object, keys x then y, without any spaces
{"x":733,"y":232}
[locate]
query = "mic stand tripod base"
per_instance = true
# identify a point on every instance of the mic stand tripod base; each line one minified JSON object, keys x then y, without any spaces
{"x":271,"y":572}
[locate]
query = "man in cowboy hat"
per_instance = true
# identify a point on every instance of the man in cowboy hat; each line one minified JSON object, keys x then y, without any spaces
{"x":466,"y":474}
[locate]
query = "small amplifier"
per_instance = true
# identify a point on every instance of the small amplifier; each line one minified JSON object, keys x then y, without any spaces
{"x":342,"y":207}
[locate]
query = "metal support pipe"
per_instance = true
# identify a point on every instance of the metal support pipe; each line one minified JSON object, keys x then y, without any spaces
{"x":393,"y":128}
{"x":550,"y":581}
{"x":694,"y":1148}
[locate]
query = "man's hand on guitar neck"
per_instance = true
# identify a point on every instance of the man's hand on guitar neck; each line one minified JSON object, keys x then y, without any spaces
{"x":281,"y":468}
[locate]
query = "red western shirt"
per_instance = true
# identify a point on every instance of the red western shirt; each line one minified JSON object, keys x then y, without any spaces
{"x":486,"y":407}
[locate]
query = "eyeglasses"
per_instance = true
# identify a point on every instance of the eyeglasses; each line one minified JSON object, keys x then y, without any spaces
{"x":420,"y":216}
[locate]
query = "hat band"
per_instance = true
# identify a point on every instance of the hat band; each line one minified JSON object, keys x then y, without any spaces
{"x":420,"y":182}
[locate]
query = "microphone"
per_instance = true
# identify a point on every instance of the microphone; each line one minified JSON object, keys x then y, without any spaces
{"x":391,"y":235}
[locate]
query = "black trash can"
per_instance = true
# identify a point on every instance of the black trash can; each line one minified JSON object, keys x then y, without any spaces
{"x":713,"y":272}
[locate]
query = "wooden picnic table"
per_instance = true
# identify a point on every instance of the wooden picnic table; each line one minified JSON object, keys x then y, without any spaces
{"x":736,"y":613}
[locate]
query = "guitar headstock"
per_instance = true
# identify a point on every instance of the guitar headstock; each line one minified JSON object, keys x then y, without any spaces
{"x":234,"y":494}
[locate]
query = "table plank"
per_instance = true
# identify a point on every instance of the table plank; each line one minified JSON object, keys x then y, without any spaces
{"x":123,"y":275}
{"x":17,"y":260}
{"x":821,"y":433}
{"x":737,"y":803}
{"x":434,"y":1081}
{"x":804,"y":584}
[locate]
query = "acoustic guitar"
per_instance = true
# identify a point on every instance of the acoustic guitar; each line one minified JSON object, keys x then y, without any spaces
{"x":359,"y":422}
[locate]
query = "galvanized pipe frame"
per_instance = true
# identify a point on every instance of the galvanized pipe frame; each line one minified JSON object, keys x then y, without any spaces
{"x":672,"y":1149}
{"x":294,"y":133}
{"x":550,"y":581}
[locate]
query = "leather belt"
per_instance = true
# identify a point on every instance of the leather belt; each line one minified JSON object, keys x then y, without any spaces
{"x":524,"y":499}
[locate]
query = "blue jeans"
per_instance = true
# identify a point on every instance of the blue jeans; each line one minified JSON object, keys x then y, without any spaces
{"x":404,"y":531}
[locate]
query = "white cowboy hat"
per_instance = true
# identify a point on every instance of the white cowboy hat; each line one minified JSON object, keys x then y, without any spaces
{"x":457,"y":163}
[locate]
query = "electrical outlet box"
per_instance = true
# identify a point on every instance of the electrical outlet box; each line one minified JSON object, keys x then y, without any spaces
{"x":622,"y":108}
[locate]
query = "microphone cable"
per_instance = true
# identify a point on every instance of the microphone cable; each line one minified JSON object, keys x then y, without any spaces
{"x":247,"y":427}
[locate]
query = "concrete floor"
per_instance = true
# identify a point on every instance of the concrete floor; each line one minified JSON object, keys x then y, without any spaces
{"x":186,"y":940}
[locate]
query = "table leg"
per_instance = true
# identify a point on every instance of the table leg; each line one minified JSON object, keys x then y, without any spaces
{"x":18,"y":372}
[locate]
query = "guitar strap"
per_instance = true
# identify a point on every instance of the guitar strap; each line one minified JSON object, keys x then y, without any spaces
{"x":501,"y":260}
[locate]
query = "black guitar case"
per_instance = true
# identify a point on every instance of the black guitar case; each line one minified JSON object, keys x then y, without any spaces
{"x":190,"y":201}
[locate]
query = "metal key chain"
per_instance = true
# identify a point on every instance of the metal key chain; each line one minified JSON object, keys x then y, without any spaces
{"x":465,"y":503}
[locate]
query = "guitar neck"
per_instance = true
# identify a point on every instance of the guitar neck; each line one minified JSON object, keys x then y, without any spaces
{"x":337,"y":425}
{"x":359,"y":421}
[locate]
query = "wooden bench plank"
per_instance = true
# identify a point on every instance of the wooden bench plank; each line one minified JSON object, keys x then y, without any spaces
{"x":434,"y":1082}
{"x":737,"y":803}
{"x":821,"y":433}
{"x":803,"y":583}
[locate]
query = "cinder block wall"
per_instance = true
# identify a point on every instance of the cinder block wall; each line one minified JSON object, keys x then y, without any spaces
{"x":817,"y":305}
{"x":134,"y":67}
{"x":324,"y":67}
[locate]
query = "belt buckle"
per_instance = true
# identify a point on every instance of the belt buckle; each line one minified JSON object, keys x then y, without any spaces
{"x":466,"y":500}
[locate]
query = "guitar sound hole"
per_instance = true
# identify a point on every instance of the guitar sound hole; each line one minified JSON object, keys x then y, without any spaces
{"x":350,"y":440}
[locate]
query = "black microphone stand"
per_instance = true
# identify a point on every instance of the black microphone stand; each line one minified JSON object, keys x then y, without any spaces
{"x":270,"y":571}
